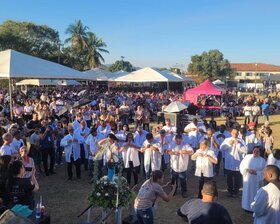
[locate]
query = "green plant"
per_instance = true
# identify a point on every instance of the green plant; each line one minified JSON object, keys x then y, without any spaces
{"x":104,"y":193}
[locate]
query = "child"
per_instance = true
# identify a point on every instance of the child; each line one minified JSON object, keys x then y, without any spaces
{"x":268,"y":142}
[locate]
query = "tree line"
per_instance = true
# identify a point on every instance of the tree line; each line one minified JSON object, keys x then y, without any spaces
{"x":83,"y":49}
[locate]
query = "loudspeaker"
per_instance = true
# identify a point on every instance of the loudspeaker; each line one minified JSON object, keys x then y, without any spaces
{"x":160,"y":117}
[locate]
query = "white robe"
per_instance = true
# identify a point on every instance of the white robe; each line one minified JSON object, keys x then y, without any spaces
{"x":251,"y":183}
{"x":152,"y":158}
{"x":272,"y":161}
{"x":266,"y":205}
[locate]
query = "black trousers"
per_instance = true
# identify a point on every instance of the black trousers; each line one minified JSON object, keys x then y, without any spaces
{"x":132,"y":170}
{"x":46,"y":153}
{"x":77,"y":166}
{"x":84,"y":160}
{"x":233,"y":181}
{"x":217,"y":166}
{"x":201,"y":182}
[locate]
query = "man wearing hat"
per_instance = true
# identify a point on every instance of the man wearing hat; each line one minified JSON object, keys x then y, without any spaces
{"x":205,"y":210}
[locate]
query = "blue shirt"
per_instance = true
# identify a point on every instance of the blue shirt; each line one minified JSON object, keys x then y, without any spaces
{"x":265,"y":109}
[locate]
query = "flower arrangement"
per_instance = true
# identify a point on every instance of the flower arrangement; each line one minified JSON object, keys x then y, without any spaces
{"x":110,"y":194}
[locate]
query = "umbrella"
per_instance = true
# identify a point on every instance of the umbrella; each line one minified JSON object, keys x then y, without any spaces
{"x":82,"y":92}
{"x":62,"y":111}
{"x":81,"y":103}
{"x":174,"y":107}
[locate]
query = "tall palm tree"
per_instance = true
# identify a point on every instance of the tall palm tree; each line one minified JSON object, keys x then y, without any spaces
{"x":94,"y":47}
{"x":78,"y":35}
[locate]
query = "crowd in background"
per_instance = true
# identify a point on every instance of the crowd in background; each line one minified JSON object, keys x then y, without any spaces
{"x":53,"y":126}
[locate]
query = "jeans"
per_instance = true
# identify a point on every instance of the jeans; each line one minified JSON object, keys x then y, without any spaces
{"x":256,"y":118}
{"x":265,"y":118}
{"x":145,"y":216}
{"x":46,"y":152}
{"x":58,"y":153}
{"x":183,"y":180}
{"x":233,"y":181}
{"x":247,"y":119}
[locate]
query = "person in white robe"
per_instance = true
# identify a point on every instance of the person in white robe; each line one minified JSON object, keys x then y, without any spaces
{"x":234,"y":148}
{"x":108,"y":147}
{"x":92,"y":149}
{"x":71,"y":146}
{"x":152,"y":155}
{"x":251,"y":168}
{"x":179,"y":160}
{"x":205,"y":157}
{"x":196,"y":131}
{"x":266,"y":204}
{"x":131,"y":158}
{"x":164,"y":140}
{"x":83,"y":132}
{"x":274,"y":158}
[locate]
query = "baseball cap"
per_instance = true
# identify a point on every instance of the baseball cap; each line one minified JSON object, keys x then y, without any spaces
{"x":252,"y":124}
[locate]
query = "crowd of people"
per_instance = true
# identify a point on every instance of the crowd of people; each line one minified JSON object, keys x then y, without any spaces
{"x":114,"y":128}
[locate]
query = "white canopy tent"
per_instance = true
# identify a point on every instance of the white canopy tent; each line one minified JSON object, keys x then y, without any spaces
{"x":98,"y":74}
{"x":218,"y":82}
{"x":47,"y":82}
{"x":149,"y":75}
{"x":14,"y":64}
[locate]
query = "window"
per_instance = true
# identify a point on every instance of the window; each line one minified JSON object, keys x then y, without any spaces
{"x":238,"y":74}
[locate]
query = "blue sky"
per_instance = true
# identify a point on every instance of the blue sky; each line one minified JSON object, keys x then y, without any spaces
{"x":162,"y":33}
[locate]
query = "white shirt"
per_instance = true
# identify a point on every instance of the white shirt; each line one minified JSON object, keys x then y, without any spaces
{"x":233,"y":153}
{"x":7,"y":150}
{"x":195,"y":136}
{"x":272,"y":161}
{"x":152,"y":157}
{"x":203,"y":164}
{"x":103,"y":132}
{"x":130,"y":154}
{"x":139,"y":139}
{"x":266,"y":205}
{"x":170,"y":129}
{"x":179,"y":163}
{"x":71,"y":148}
{"x":93,"y":147}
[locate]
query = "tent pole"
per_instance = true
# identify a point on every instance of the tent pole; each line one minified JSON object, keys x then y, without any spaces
{"x":167,"y":86}
{"x":11,"y":98}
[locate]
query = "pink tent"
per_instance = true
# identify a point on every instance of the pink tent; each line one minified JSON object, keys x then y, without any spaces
{"x":205,"y":88}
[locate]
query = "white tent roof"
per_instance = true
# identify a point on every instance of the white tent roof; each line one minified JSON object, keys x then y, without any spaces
{"x":149,"y":75}
{"x":98,"y":74}
{"x":218,"y":82}
{"x":14,"y":64}
{"x":47,"y":82}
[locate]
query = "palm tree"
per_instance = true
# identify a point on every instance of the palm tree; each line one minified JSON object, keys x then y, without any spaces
{"x":94,"y":47}
{"x":78,"y":35}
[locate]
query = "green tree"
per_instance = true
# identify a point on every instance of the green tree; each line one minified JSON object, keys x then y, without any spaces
{"x":78,"y":36}
{"x":94,"y":47}
{"x":121,"y":65}
{"x":37,"y":40}
{"x":211,"y":65}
